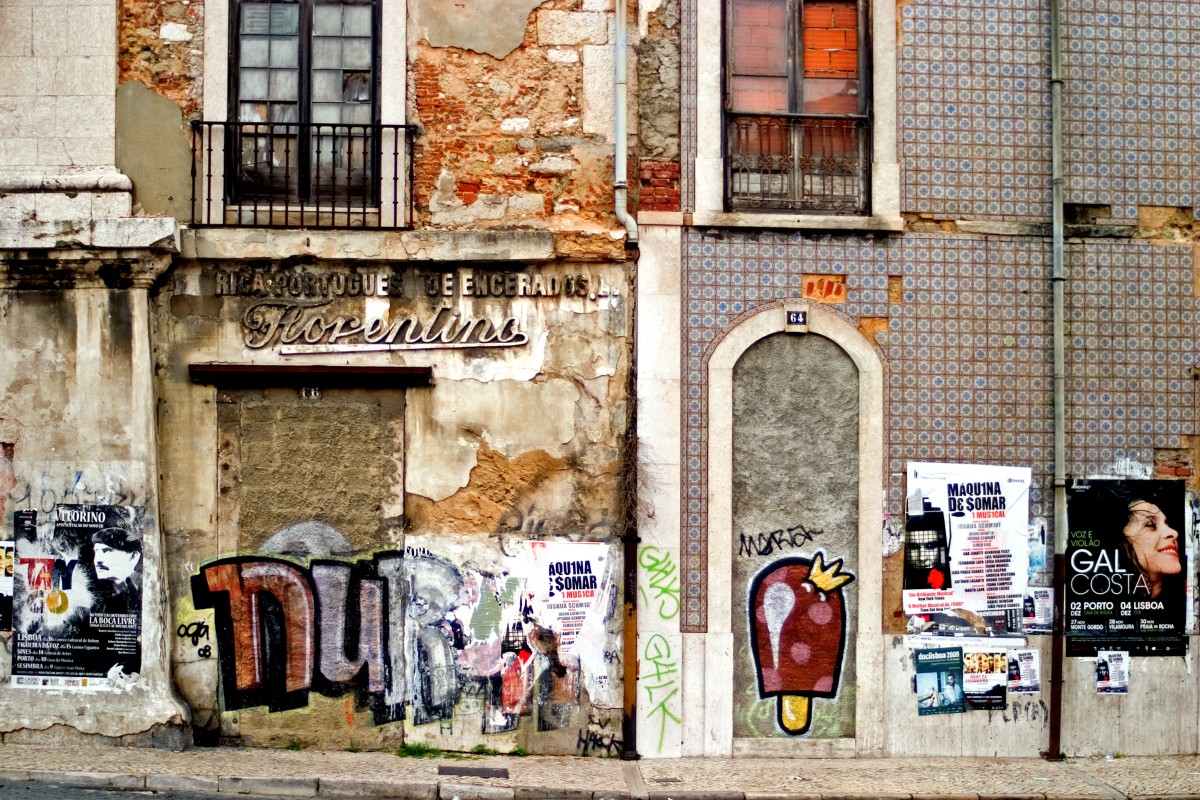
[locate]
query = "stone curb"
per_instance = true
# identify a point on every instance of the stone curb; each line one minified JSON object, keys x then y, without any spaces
{"x":394,"y":790}
{"x":181,"y":783}
{"x":91,"y":780}
{"x":473,"y":791}
{"x":269,"y":787}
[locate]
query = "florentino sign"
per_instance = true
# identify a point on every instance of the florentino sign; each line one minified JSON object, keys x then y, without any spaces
{"x":312,"y":328}
{"x":306,"y":311}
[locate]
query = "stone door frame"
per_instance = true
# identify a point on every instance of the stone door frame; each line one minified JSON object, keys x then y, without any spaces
{"x":870,"y":708}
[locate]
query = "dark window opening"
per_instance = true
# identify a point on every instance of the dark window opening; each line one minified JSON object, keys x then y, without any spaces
{"x":797,"y":106}
{"x":305,"y":103}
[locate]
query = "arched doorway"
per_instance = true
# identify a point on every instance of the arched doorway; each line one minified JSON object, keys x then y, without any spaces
{"x":795,"y":528}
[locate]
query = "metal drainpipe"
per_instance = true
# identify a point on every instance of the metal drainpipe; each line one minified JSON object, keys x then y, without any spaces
{"x":620,"y":159}
{"x":628,"y":537}
{"x":1058,"y":278}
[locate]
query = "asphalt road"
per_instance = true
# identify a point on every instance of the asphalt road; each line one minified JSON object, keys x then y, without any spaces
{"x":34,"y":790}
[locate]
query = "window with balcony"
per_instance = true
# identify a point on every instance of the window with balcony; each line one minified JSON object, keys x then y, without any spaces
{"x":303,"y":143}
{"x":797,"y":106}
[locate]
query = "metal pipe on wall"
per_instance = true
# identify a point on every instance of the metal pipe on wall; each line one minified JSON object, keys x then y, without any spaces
{"x":1058,"y":279}
{"x":620,"y":132}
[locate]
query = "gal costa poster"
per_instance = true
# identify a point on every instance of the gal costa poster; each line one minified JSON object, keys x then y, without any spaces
{"x":77,"y":599}
{"x":1126,"y":568}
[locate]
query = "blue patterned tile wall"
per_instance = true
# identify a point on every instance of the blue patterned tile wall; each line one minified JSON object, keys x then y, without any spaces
{"x":967,"y":351}
{"x":1132,"y":103}
{"x":974,"y":109}
{"x":974,"y":106}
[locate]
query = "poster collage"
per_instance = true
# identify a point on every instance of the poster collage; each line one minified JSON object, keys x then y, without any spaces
{"x":71,"y":596}
{"x":970,"y":551}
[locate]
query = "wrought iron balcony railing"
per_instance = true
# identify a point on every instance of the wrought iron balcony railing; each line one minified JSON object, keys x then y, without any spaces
{"x":292,"y":175}
{"x":797,"y":162}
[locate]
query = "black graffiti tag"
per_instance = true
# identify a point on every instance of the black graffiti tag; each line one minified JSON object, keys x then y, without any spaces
{"x":193,"y":630}
{"x":764,"y":544}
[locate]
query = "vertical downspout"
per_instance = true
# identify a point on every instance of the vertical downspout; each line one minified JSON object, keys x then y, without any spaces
{"x":620,"y":134}
{"x":628,"y":518}
{"x":1058,"y":278}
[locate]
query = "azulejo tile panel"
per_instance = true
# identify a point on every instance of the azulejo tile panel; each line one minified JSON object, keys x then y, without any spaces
{"x":967,"y":351}
{"x":974,"y":109}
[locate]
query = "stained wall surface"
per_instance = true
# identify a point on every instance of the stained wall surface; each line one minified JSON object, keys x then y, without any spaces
{"x":433,"y":561}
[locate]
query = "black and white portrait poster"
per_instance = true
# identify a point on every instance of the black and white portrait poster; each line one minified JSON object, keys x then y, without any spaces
{"x":77,"y":598}
{"x":1126,"y":568}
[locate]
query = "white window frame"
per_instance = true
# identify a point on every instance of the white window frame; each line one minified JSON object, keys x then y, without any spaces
{"x":710,"y":153}
{"x":393,"y":82}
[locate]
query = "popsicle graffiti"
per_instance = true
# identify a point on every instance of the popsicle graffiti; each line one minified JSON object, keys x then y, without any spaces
{"x":798,"y":634}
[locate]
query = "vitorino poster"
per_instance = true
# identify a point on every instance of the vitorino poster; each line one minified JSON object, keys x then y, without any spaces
{"x":77,"y":597}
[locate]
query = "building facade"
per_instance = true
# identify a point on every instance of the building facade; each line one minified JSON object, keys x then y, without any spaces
{"x":339,"y":349}
{"x":353,"y":399}
{"x":858,"y":285}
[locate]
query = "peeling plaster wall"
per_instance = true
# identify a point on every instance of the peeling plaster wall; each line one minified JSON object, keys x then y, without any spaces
{"x":154,"y":150}
{"x":514,"y":103}
{"x":75,"y":429}
{"x":509,"y":462}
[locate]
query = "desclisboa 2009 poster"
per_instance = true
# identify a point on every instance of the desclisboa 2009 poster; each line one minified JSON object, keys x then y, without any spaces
{"x":1126,"y":568}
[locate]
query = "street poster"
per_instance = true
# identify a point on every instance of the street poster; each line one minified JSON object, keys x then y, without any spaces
{"x":77,"y":598}
{"x":1038,"y":610}
{"x":569,"y":579}
{"x":6,"y":585}
{"x":1126,"y":568}
{"x":1112,"y":672}
{"x":985,"y":679}
{"x":1024,"y":672}
{"x":966,"y":549}
{"x":939,"y":677}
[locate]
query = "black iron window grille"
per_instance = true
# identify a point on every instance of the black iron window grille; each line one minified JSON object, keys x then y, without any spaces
{"x":797,"y":100}
{"x":294,"y":174}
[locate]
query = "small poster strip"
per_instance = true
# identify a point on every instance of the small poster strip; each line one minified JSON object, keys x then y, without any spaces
{"x":1112,"y":672}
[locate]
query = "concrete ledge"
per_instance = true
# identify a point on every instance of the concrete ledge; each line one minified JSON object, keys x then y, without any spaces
{"x":14,"y":775}
{"x":353,"y":787}
{"x":181,"y":783}
{"x":64,"y":179}
{"x":735,"y":219}
{"x":107,"y":780}
{"x":274,"y":787}
{"x":471,"y":791}
{"x":368,"y":245}
{"x":121,"y":233}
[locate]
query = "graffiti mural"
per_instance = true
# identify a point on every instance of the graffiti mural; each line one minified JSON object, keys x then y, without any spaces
{"x":798,"y":634}
{"x":414,"y":634}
